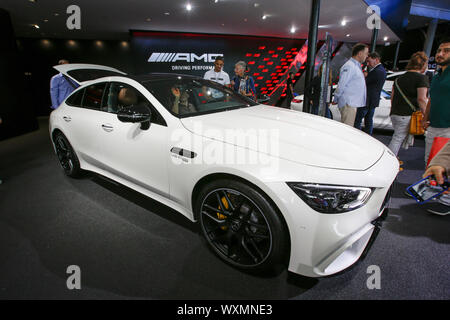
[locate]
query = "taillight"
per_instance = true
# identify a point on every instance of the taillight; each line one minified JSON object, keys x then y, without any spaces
{"x":297,"y":100}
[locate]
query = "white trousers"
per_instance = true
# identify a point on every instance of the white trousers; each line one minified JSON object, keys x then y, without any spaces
{"x":348,"y":115}
{"x":401,"y":132}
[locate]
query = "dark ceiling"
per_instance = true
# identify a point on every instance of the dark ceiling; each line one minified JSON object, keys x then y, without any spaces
{"x":106,"y":19}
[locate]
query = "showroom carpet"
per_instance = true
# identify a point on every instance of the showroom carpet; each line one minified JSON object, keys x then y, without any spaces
{"x":129,"y":246}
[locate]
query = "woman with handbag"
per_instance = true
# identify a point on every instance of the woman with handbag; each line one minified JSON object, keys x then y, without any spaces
{"x":408,"y":102}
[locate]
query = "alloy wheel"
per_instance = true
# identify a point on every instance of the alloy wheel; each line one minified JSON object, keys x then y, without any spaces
{"x":236,"y":227}
{"x":64,"y":153}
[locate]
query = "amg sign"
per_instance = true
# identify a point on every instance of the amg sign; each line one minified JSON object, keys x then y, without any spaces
{"x":186,"y":57}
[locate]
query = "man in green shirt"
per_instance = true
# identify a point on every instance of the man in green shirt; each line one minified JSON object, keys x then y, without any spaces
{"x":437,"y":115}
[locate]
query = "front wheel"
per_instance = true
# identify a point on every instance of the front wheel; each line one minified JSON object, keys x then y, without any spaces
{"x":241,"y":226}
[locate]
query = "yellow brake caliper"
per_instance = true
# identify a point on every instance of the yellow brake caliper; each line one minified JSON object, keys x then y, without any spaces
{"x":221,"y":216}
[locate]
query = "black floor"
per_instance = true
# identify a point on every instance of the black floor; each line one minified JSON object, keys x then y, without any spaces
{"x":129,"y":246}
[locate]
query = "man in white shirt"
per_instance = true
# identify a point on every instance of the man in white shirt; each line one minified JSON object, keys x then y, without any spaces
{"x":351,"y":91}
{"x":217,"y":74}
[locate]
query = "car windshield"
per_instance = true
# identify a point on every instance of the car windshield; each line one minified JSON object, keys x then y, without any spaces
{"x":188,"y":97}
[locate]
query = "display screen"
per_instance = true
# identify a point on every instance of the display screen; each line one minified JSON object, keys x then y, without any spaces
{"x":269,"y":59}
{"x":427,"y":189}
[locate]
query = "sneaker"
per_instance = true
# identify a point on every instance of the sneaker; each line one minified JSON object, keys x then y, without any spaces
{"x":439,"y":209}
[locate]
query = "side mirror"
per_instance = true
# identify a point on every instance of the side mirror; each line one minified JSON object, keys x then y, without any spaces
{"x":135,"y":114}
{"x":263,"y":99}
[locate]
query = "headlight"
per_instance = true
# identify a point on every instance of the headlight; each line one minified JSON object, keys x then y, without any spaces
{"x":329,"y":198}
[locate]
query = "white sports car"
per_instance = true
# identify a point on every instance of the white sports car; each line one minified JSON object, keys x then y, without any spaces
{"x":390,"y":78}
{"x":268,"y":186}
{"x":381,"y":117}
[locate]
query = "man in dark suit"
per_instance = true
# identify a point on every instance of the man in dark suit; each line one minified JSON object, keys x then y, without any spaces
{"x":375,"y":79}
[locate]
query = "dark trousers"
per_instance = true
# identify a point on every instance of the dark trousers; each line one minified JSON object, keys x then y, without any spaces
{"x":315,"y":110}
{"x":365,"y":113}
{"x":289,"y":97}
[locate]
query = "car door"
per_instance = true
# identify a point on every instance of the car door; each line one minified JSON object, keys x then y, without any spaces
{"x":83,"y":114}
{"x":81,"y":118}
{"x":382,"y":119}
{"x":131,"y":151}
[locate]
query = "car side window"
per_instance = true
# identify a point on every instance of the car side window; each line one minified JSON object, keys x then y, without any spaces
{"x":93,"y":96}
{"x":75,"y":100}
{"x":120,"y":95}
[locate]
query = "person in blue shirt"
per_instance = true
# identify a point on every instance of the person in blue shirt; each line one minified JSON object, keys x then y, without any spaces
{"x":351,"y":91}
{"x":242,"y":83}
{"x":60,"y":87}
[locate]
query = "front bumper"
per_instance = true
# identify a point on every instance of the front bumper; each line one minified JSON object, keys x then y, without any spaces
{"x":346,"y":256}
{"x":325,"y":244}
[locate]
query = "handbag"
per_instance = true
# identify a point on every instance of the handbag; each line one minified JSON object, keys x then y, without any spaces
{"x":415,"y":125}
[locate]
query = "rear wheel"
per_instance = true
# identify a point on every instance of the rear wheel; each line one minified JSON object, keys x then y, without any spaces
{"x":66,"y":156}
{"x":241,"y":225}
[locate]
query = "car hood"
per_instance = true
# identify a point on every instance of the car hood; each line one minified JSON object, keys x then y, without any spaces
{"x":299,"y":137}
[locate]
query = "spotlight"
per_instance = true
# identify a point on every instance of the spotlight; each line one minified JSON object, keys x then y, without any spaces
{"x":188,"y":7}
{"x":385,"y":38}
{"x":293,"y":30}
{"x":264,"y":17}
{"x":343,"y":22}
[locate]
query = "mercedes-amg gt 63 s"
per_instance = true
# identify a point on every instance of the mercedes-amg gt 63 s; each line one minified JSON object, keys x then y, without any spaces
{"x":268,"y":186}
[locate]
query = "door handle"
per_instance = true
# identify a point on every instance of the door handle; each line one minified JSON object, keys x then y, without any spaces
{"x":107,"y":128}
{"x":67,"y":119}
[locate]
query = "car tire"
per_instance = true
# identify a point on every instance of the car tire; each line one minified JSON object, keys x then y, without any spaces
{"x":66,"y":155}
{"x":245,"y":230}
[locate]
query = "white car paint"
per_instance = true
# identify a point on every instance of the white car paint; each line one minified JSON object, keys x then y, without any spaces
{"x":310,"y":149}
{"x":381,"y":118}
{"x":390,"y":77}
